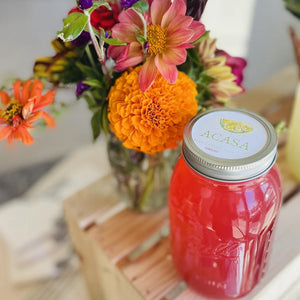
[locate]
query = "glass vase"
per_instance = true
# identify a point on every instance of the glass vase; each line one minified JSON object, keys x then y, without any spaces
{"x":142,"y":179}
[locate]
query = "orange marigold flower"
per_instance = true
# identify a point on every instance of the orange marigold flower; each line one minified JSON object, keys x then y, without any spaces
{"x":154,"y":120}
{"x":23,"y":109}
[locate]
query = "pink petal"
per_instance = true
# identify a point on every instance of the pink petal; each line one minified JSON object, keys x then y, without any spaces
{"x":179,"y":22}
{"x":125,"y":32}
{"x":147,"y":74}
{"x":131,"y":17}
{"x":168,"y":71}
{"x":175,"y":56}
{"x":178,"y":7}
{"x":127,"y":63}
{"x":134,"y":57}
{"x":198,"y":29}
{"x":118,"y":52}
{"x":179,"y":37}
{"x":158,"y":9}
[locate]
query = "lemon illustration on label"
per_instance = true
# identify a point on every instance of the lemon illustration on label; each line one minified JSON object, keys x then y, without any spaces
{"x":236,"y":126}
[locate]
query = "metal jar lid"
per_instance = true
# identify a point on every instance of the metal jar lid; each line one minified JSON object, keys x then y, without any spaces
{"x":228,"y":144}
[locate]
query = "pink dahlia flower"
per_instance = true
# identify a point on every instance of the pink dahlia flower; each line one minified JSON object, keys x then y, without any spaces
{"x":237,"y":65}
{"x":169,"y":32}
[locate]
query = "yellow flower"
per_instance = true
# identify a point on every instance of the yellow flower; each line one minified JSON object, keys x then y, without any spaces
{"x":152,"y":121}
{"x":223,"y":87}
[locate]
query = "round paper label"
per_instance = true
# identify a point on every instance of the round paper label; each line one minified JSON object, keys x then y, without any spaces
{"x":229,"y":134}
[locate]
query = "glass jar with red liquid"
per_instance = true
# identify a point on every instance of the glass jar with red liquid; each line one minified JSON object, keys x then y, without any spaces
{"x":224,"y":198}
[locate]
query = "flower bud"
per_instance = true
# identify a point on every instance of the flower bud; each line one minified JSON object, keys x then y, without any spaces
{"x":85,"y":4}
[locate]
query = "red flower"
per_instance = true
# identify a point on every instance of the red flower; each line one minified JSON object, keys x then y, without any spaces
{"x":102,"y":17}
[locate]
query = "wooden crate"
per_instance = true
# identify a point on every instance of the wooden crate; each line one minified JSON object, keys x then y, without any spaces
{"x":125,"y":255}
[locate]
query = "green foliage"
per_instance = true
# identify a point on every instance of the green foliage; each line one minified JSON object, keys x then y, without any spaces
{"x":196,"y":71}
{"x":141,"y":6}
{"x":73,"y":26}
{"x":97,"y":4}
{"x":293,"y":6}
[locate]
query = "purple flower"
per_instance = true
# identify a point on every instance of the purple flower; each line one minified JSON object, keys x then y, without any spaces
{"x":127,"y":3}
{"x":195,"y":8}
{"x":237,"y":65}
{"x":85,"y":4}
{"x":82,"y":39}
{"x":81,"y":87}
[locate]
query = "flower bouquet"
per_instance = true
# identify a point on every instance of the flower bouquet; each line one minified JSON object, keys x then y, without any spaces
{"x":145,"y":68}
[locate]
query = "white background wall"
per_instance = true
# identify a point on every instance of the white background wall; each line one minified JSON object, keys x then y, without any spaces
{"x":254,"y":29}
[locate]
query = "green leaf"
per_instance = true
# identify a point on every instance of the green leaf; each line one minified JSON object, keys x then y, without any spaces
{"x":97,"y":4}
{"x":142,"y":6}
{"x":105,"y":124}
{"x":293,"y":6}
{"x":141,"y":39}
{"x":73,"y":26}
{"x":93,"y":83}
{"x":96,"y":123}
{"x":110,"y":41}
{"x":87,"y":70}
{"x":113,"y":41}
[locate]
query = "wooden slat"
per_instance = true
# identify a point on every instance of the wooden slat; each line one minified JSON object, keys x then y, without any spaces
{"x":153,"y":273}
{"x":270,"y":92}
{"x":93,"y":201}
{"x":125,"y":231}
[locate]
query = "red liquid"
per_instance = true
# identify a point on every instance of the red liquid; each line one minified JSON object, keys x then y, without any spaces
{"x":221,"y":232}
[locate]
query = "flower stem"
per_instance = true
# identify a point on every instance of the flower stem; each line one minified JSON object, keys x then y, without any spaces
{"x":98,"y":47}
{"x":90,"y":57}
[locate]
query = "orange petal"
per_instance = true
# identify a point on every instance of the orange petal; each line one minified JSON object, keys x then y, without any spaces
{"x":175,"y":56}
{"x":23,"y":135}
{"x":5,"y":132}
{"x":17,"y":87}
{"x":147,"y":74}
{"x":179,"y":37}
{"x":178,"y":7}
{"x":158,"y":9}
{"x":179,"y":22}
{"x":45,"y":100}
{"x":48,"y":119}
{"x":169,"y":72}
{"x":5,"y":99}
{"x":36,"y":89}
{"x":25,"y":92}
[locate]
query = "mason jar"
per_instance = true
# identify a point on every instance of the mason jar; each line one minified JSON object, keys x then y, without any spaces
{"x":224,"y":198}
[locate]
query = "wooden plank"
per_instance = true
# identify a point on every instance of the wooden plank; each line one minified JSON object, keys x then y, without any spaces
{"x":93,"y":201}
{"x":265,"y":96}
{"x":125,"y":231}
{"x":110,"y":283}
{"x":153,"y":273}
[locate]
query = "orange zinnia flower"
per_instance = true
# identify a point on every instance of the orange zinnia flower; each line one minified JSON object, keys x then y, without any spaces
{"x":152,"y":121}
{"x":23,"y":109}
